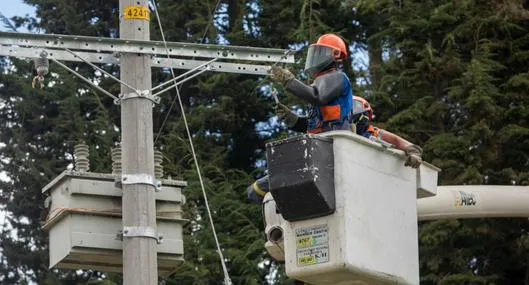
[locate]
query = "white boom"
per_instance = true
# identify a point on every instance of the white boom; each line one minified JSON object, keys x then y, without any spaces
{"x":475,"y":201}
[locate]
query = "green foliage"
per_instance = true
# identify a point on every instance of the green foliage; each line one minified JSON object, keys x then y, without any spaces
{"x":448,"y":75}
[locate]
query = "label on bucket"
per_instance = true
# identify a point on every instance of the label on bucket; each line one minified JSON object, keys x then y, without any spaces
{"x":312,"y":245}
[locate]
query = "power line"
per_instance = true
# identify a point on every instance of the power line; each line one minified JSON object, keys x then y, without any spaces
{"x":210,"y":22}
{"x":172,"y":71}
{"x":227,"y":280}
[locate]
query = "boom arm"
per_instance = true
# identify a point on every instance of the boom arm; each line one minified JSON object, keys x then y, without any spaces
{"x":475,"y":201}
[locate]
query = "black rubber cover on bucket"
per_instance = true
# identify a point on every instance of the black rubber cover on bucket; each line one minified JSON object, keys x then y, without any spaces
{"x":301,"y":176}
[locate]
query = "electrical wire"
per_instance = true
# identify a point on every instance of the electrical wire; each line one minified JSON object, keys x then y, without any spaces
{"x":180,"y":82}
{"x":227,"y":280}
{"x":172,"y":72}
{"x":101,"y":70}
{"x":210,"y":21}
{"x":184,"y":75}
{"x":116,"y":99}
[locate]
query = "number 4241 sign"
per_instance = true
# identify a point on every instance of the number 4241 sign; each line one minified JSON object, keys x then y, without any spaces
{"x":137,"y":13}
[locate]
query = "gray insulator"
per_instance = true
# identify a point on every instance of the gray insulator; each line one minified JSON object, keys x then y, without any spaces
{"x":81,"y":154}
{"x":42,"y":65}
{"x":116,"y":160}
{"x":158,"y":169}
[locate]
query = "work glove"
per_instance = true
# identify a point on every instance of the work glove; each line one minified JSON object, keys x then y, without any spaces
{"x":285,"y":115}
{"x":353,"y":128}
{"x":280,"y":75}
{"x":413,"y":154}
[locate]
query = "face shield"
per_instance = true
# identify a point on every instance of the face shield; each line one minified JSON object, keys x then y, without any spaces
{"x":358,"y":107}
{"x":318,"y":58}
{"x":359,"y":113}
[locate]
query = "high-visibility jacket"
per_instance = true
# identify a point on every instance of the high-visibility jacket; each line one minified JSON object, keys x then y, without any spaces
{"x":331,"y":100}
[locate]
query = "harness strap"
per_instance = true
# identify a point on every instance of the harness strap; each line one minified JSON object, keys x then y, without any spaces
{"x":373,"y":131}
{"x":258,"y":190}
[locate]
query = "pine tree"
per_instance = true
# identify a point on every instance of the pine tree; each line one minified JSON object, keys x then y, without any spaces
{"x":448,"y":84}
{"x":448,"y":75}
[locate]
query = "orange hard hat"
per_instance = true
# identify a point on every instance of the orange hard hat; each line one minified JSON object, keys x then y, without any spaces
{"x":335,"y":42}
{"x":328,"y":49}
{"x":361,"y":106}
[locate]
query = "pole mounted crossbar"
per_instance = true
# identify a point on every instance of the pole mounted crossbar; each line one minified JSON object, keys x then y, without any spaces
{"x":108,"y":50}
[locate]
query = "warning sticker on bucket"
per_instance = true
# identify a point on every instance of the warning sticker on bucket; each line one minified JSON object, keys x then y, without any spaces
{"x":312,"y":245}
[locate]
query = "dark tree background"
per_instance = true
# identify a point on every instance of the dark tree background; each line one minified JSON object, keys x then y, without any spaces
{"x":449,"y":75}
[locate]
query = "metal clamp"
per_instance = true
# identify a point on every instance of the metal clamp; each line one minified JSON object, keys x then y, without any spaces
{"x":382,"y":143}
{"x":147,"y":232}
{"x":140,"y":94}
{"x":131,"y":179}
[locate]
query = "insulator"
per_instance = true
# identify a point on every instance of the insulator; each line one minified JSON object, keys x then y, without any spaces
{"x":42,"y":65}
{"x":82,"y":161}
{"x":158,"y":168}
{"x":116,"y":160}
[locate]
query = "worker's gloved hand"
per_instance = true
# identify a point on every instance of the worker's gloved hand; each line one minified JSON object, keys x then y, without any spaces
{"x":353,"y":128}
{"x":413,"y":153}
{"x":280,"y":75}
{"x":285,"y":115}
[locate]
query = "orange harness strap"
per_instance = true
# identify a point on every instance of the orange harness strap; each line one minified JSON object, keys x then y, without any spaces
{"x":315,"y":131}
{"x":373,"y":131}
{"x":330,"y":113}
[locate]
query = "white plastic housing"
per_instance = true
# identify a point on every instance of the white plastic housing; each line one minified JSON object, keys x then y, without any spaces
{"x":84,"y":222}
{"x":274,"y":229}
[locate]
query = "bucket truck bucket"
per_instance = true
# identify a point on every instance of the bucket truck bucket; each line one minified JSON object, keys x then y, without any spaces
{"x":358,"y":225}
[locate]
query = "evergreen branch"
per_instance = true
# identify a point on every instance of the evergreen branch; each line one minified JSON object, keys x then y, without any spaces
{"x":7,"y":23}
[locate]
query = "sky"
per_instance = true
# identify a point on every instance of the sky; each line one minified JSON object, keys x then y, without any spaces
{"x":10,"y":8}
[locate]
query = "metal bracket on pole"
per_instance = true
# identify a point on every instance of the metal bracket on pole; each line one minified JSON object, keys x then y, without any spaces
{"x":148,"y":232}
{"x":382,"y":143}
{"x":142,"y":94}
{"x":131,"y":179}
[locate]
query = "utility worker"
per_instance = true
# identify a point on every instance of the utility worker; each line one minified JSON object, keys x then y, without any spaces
{"x":361,"y":124}
{"x":362,"y":118}
{"x":330,"y":95}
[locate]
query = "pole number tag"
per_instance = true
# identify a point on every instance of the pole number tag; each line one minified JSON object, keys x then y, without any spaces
{"x":137,"y":13}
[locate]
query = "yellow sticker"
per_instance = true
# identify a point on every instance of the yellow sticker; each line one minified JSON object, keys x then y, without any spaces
{"x":304,"y":242}
{"x":137,"y":13}
{"x":307,"y":260}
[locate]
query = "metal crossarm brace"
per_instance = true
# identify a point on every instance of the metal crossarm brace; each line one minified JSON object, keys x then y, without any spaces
{"x":145,"y":47}
{"x":162,"y":62}
{"x":107,"y":50}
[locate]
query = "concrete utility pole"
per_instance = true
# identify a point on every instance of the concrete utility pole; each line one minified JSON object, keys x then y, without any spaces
{"x":139,"y":210}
